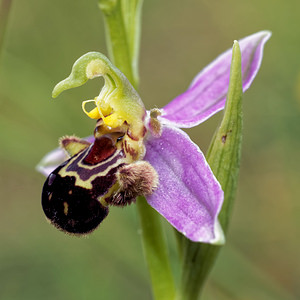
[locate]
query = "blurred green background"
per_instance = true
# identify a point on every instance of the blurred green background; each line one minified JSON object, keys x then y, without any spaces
{"x":43,"y":39}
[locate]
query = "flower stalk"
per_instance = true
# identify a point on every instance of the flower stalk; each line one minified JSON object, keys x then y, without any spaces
{"x":122,"y":22}
{"x":156,"y":251}
{"x":223,"y":157}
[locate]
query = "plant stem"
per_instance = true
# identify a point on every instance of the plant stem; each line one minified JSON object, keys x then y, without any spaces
{"x":156,"y":253}
{"x":122,"y":21}
{"x":132,"y":11}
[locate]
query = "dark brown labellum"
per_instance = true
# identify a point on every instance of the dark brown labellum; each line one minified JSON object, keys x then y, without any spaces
{"x":69,"y":207}
{"x":76,"y":195}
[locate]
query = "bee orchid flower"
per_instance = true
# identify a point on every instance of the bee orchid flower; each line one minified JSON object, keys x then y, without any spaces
{"x":135,"y":152}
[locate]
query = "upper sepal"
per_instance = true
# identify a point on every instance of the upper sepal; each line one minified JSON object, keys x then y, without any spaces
{"x":207,"y":93}
{"x":188,"y":194}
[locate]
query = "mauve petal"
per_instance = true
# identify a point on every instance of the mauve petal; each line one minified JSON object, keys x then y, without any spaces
{"x":51,"y":161}
{"x":207,"y":93}
{"x":54,"y":158}
{"x":188,"y":195}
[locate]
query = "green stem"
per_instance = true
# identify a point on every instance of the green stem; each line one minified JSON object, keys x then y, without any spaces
{"x":122,"y":21}
{"x":224,"y":159}
{"x":156,"y":253}
{"x":132,"y":11}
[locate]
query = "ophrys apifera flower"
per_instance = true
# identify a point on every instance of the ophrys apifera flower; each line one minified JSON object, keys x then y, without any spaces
{"x":137,"y":152}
